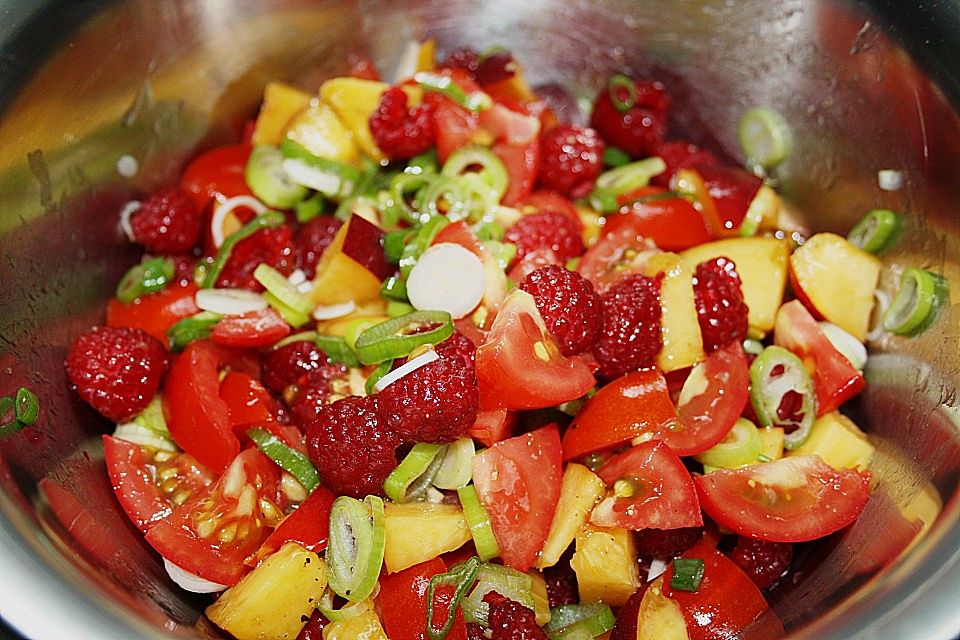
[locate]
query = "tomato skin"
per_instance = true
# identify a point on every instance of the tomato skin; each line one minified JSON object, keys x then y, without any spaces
{"x":673,"y":224}
{"x":509,"y":373}
{"x":217,"y":174}
{"x":154,"y":312}
{"x":706,"y":418}
{"x":546,"y":200}
{"x":523,"y":163}
{"x":635,"y":404}
{"x":732,"y":191}
{"x":177,"y":537}
{"x":308,"y":526}
{"x":403,"y":603}
{"x":835,"y":380}
{"x":492,"y":425}
{"x":518,"y":482}
{"x":257,"y":329}
{"x":459,"y":233}
{"x":665,"y":498}
{"x":615,"y":255}
{"x":248,"y":402}
{"x":795,"y":499}
{"x":455,"y":126}
{"x":726,"y":604}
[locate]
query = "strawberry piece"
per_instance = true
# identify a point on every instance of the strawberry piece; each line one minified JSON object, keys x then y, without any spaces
{"x":289,"y":364}
{"x":630,"y":338}
{"x":721,"y":311}
{"x":569,"y":306}
{"x":640,"y":129}
{"x":510,"y":620}
{"x":571,"y":158}
{"x":167,"y":223}
{"x":325,"y":384}
{"x":352,"y":449}
{"x":764,"y":562}
{"x":274,"y":247}
{"x":314,"y":237}
{"x":400,"y":132}
{"x":546,"y":230}
{"x":117,"y":370}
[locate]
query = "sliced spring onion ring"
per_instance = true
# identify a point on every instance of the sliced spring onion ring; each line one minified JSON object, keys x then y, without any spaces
{"x":145,"y":437}
{"x":189,"y":581}
{"x":290,"y":316}
{"x":449,"y":278}
{"x":329,"y":312}
{"x":614,"y":85}
{"x":506,"y":581}
{"x":396,"y":338}
{"x":406,"y":482}
{"x":395,"y":308}
{"x":488,"y":230}
{"x":575,"y":621}
{"x":461,"y":579}
{"x":420,"y":242}
{"x":25,"y":409}
{"x":474,"y":101}
{"x":764,"y":137}
{"x":443,"y":190}
{"x":773,"y":375}
{"x":851,"y":348}
{"x":876,"y":317}
{"x":267,"y":220}
{"x":370,"y":386}
{"x":230,"y":302}
{"x":919,"y":299}
{"x":228,"y":206}
{"x":329,"y":177}
{"x":687,"y":574}
{"x":405,"y":369}
{"x":614,"y":157}
{"x":603,"y":200}
{"x":457,"y":468}
{"x":197,"y":327}
{"x":287,"y":458}
{"x":479,"y":522}
{"x":632,"y":176}
{"x":739,"y":447}
{"x":337,"y":350}
{"x":125,"y":214}
{"x":265,"y":176}
{"x":149,"y":276}
{"x":312,"y":207}
{"x":355,"y":548}
{"x":348,"y":612}
{"x":308,"y":336}
{"x":492,"y":169}
{"x":277,"y":284}
{"x":878,"y":231}
{"x":394,"y":243}
{"x":424,"y":163}
{"x":394,"y":288}
{"x":392,"y":202}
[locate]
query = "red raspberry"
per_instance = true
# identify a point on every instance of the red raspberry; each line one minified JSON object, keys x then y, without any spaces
{"x":289,"y":364}
{"x":457,"y":347}
{"x":510,"y":620}
{"x":571,"y":158}
{"x":313,"y":239}
{"x":117,"y":369}
{"x":313,"y":630}
{"x":640,"y":129}
{"x":720,"y":307}
{"x":665,"y":543}
{"x":184,"y":268}
{"x":631,"y":325}
{"x":353,"y":450}
{"x":167,"y":223}
{"x":463,"y":58}
{"x":475,"y":632}
{"x":437,"y":403}
{"x":765,"y":562}
{"x":274,"y":247}
{"x":570,"y":307}
{"x":561,"y":584}
{"x":681,"y":155}
{"x":400,"y":132}
{"x":325,"y":384}
{"x":546,"y":229}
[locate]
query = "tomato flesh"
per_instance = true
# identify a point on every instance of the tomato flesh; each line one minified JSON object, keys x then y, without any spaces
{"x":616,"y":254}
{"x":308,"y":526}
{"x":154,"y":312}
{"x":257,"y":329}
{"x":672,"y":223}
{"x":794,"y":499}
{"x":518,"y":482}
{"x":403,"y":603}
{"x":492,"y":425}
{"x":217,"y":174}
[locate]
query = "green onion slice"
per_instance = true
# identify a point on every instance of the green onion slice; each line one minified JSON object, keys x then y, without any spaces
{"x":394,"y":288}
{"x":575,"y":621}
{"x":614,"y":85}
{"x":337,"y":350}
{"x":137,"y":433}
{"x":277,"y":284}
{"x":603,"y":200}
{"x":457,"y":468}
{"x":687,"y":574}
{"x":149,"y":276}
{"x":739,"y":447}
{"x":919,"y":299}
{"x":268,"y":220}
{"x":781,"y":391}
{"x":420,"y":242}
{"x":302,"y":336}
{"x":764,"y":137}
{"x":878,"y":231}
{"x":394,"y":243}
{"x":197,"y":327}
{"x":632,"y":176}
{"x":290,"y":315}
{"x":290,"y":460}
{"x":461,"y":578}
{"x":426,"y":162}
{"x":397,"y":337}
{"x":488,"y":230}
{"x":491,"y":167}
{"x":312,"y":207}
{"x":355,"y":549}
{"x":614,"y":157}
{"x":410,"y":480}
{"x":395,"y":308}
{"x":347,"y":612}
{"x":443,"y":190}
{"x":507,"y":582}
{"x":393,"y":203}
{"x":479,"y":522}
{"x":382,"y":369}
{"x":23,"y":408}
{"x":474,"y":101}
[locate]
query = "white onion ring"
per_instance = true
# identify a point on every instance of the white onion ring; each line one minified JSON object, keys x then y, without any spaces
{"x":226,"y":207}
{"x":230,"y":302}
{"x":883,"y":301}
{"x":657,"y":567}
{"x":125,"y":213}
{"x":189,"y":581}
{"x":297,"y":277}
{"x":332,"y":311}
{"x":408,"y":368}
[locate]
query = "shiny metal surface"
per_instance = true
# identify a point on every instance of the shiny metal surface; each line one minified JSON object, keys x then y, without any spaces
{"x":158,"y":80}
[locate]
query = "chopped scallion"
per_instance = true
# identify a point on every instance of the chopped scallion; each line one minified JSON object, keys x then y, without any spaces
{"x":268,"y":220}
{"x":337,"y":350}
{"x":197,"y":327}
{"x":764,"y":137}
{"x":779,"y":379}
{"x":149,"y":276}
{"x":576,"y":621}
{"x":461,"y":579}
{"x":23,"y":409}
{"x":382,"y":369}
{"x":878,"y":231}
{"x":622,"y":92}
{"x":918,"y":302}
{"x":397,"y":337}
{"x":356,"y":545}
{"x":415,"y":473}
{"x":687,"y":574}
{"x":287,"y":458}
{"x":479,"y":522}
{"x":474,"y":101}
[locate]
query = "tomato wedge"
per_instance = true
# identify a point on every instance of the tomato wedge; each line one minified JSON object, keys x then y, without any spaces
{"x":545,"y":200}
{"x":522,"y":162}
{"x":455,"y":125}
{"x":459,"y":233}
{"x":492,"y":425}
{"x":722,"y":387}
{"x":403,"y":603}
{"x":655,"y":492}
{"x":154,"y":312}
{"x":257,"y":329}
{"x":637,"y":404}
{"x":518,"y":482}
{"x":616,"y":254}
{"x":308,"y":526}
{"x":214,"y":533}
{"x":835,"y":380}
{"x":217,"y":174}
{"x":795,"y":499}
{"x":726,"y":605}
{"x":149,"y":489}
{"x":671,"y":222}
{"x":519,"y":366}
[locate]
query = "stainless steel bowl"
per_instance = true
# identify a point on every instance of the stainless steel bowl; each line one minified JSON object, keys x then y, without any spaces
{"x":865,"y":87}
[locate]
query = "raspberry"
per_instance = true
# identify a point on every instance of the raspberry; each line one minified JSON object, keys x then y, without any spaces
{"x":510,"y":620}
{"x":570,"y":307}
{"x":665,"y":543}
{"x":313,"y":239}
{"x":561,"y":584}
{"x":546,"y":229}
{"x":325,"y":384}
{"x":640,"y":129}
{"x":721,"y":310}
{"x":353,"y":450}
{"x":274,"y":247}
{"x":764,"y":562}
{"x":167,"y":223}
{"x":631,"y":325}
{"x":457,"y":347}
{"x":117,"y":370}
{"x":289,"y":364}
{"x":681,"y":155}
{"x":475,"y":632}
{"x":463,"y":58}
{"x":571,"y":158}
{"x":313,"y":630}
{"x":437,"y":403}
{"x":400,"y":132}
{"x":184,"y":268}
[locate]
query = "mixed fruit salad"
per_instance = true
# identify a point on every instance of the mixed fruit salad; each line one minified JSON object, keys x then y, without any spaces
{"x":446,"y":359}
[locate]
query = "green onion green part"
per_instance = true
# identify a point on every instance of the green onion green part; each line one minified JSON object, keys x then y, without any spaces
{"x":456,"y":469}
{"x":197,"y":327}
{"x":507,"y":582}
{"x":764,"y":137}
{"x":410,"y":480}
{"x":420,"y":242}
{"x":394,"y":288}
{"x":687,"y":574}
{"x":461,"y":579}
{"x":739,"y":447}
{"x":277,"y":284}
{"x":267,"y":220}
{"x":614,"y":157}
{"x":630,"y":177}
{"x":426,"y":162}
{"x":265,"y":176}
{"x":290,"y":315}
{"x":488,"y":231}
{"x":491,"y":168}
{"x":382,"y":369}
{"x":23,"y":410}
{"x":397,"y":337}
{"x":603,"y":200}
{"x":356,"y":545}
{"x":347,"y":612}
{"x":394,"y":242}
{"x":312,"y":207}
{"x":395,"y":308}
{"x":474,"y":101}
{"x":920,"y":297}
{"x":614,"y":86}
{"x":290,"y":460}
{"x":149,"y":276}
{"x":479,"y":522}
{"x":337,"y":350}
{"x":878,"y":231}
{"x":576,"y":621}
{"x":779,"y":378}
